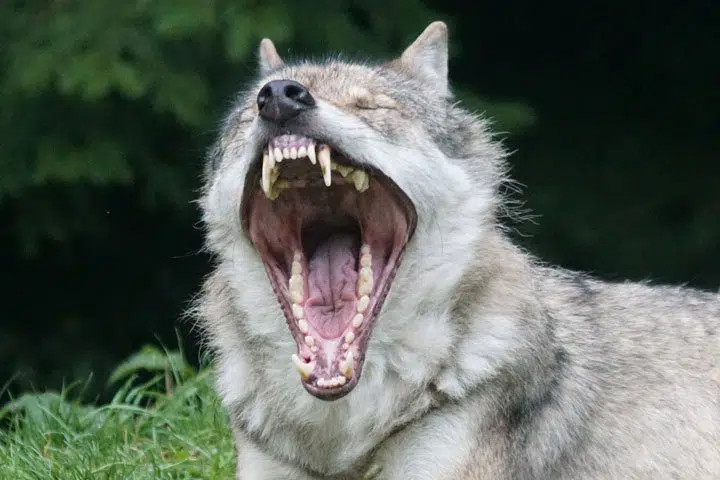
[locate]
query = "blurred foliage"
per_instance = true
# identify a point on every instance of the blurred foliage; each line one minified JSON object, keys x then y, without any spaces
{"x":107,"y":110}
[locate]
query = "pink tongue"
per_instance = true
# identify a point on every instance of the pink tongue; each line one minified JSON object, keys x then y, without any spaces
{"x":332,"y":281}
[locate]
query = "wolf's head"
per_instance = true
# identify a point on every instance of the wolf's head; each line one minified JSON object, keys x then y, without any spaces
{"x":325,"y":177}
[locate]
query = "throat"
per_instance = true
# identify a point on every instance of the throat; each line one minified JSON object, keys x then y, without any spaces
{"x":332,"y":284}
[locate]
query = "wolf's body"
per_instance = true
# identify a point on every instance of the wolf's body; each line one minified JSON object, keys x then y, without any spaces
{"x":484,"y":363}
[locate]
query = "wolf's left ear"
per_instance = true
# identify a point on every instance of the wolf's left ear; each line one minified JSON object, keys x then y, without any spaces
{"x":269,"y":58}
{"x":427,"y":56}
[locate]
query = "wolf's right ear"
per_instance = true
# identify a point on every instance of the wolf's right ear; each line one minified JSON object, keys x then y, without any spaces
{"x":427,"y":56}
{"x":269,"y":58}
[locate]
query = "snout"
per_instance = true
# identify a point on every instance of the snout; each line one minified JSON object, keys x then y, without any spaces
{"x":281,"y":100}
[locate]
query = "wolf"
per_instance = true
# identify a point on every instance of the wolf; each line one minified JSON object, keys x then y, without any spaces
{"x":370,"y":316}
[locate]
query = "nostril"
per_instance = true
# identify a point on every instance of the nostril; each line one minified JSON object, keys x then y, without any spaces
{"x":299,"y":94}
{"x":263,"y":96}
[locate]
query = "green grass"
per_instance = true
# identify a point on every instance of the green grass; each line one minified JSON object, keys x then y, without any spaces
{"x":170,"y":427}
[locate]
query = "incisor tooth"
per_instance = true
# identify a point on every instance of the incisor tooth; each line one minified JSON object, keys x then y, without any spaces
{"x":357,"y":320}
{"x":293,"y":153}
{"x":311,"y":153}
{"x":278,"y":155}
{"x":303,"y":326}
{"x":302,"y":151}
{"x":347,"y":365}
{"x":341,"y":381}
{"x":324,"y":159}
{"x":286,"y":152}
{"x":298,"y":311}
{"x":363,"y":303}
{"x":304,"y":369}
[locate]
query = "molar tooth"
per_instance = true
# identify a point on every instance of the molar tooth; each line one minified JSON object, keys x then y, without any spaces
{"x":347,"y":365}
{"x":303,"y":326}
{"x":293,"y":153}
{"x":304,"y":369}
{"x":302,"y":152}
{"x":297,"y":256}
{"x":349,"y":337}
{"x":365,"y":282}
{"x":298,"y":311}
{"x":357,"y":320}
{"x":324,"y":159}
{"x":278,"y":155}
{"x":344,"y":170}
{"x":296,"y":267}
{"x":296,"y":283}
{"x":365,"y":249}
{"x":366,"y":260}
{"x":359,"y":178}
{"x":311,"y":153}
{"x":286,"y":152}
{"x":309,"y":341}
{"x":363,"y":303}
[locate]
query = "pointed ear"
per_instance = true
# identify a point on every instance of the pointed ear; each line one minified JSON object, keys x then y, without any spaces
{"x":428,"y":56}
{"x":269,"y":58}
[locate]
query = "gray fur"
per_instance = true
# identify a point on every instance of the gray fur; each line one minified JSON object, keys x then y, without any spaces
{"x":484,"y":363}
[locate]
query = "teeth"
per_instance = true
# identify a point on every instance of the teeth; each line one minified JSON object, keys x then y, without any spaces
{"x":271,"y":154}
{"x":286,"y":152}
{"x":366,"y":260}
{"x":365,"y":283}
{"x":311,"y":153}
{"x":278,"y":155}
{"x":347,"y":365}
{"x":357,"y":320}
{"x":363,"y":303}
{"x":303,"y":326}
{"x":324,"y":158}
{"x":341,"y":380}
{"x":293,"y":153}
{"x":349,"y":337}
{"x":365,"y":250}
{"x":304,"y":369}
{"x":309,"y":341}
{"x":302,"y":151}
{"x":298,"y":311}
{"x":297,"y":267}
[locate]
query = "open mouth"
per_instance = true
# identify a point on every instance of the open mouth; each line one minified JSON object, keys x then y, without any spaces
{"x":331,"y":234}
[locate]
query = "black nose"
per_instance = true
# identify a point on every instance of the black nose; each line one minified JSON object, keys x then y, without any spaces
{"x":281,"y":100}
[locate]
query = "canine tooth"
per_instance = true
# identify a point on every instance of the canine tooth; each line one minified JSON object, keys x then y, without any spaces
{"x":366,"y":260}
{"x":304,"y":369}
{"x":347,"y":365}
{"x":363,"y":303}
{"x":311,"y":153}
{"x":271,"y":154}
{"x":365,"y":283}
{"x":323,"y":155}
{"x":266,"y":168}
{"x":302,"y":151}
{"x":358,"y":178}
{"x":357,"y":320}
{"x":296,"y":267}
{"x":344,"y":170}
{"x":274,"y":174}
{"x":349,"y":337}
{"x":303,"y":326}
{"x":298,"y":311}
{"x":309,"y":341}
{"x":293,"y":153}
{"x":341,"y":380}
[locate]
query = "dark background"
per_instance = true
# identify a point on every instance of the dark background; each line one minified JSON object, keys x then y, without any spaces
{"x":106,"y":111}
